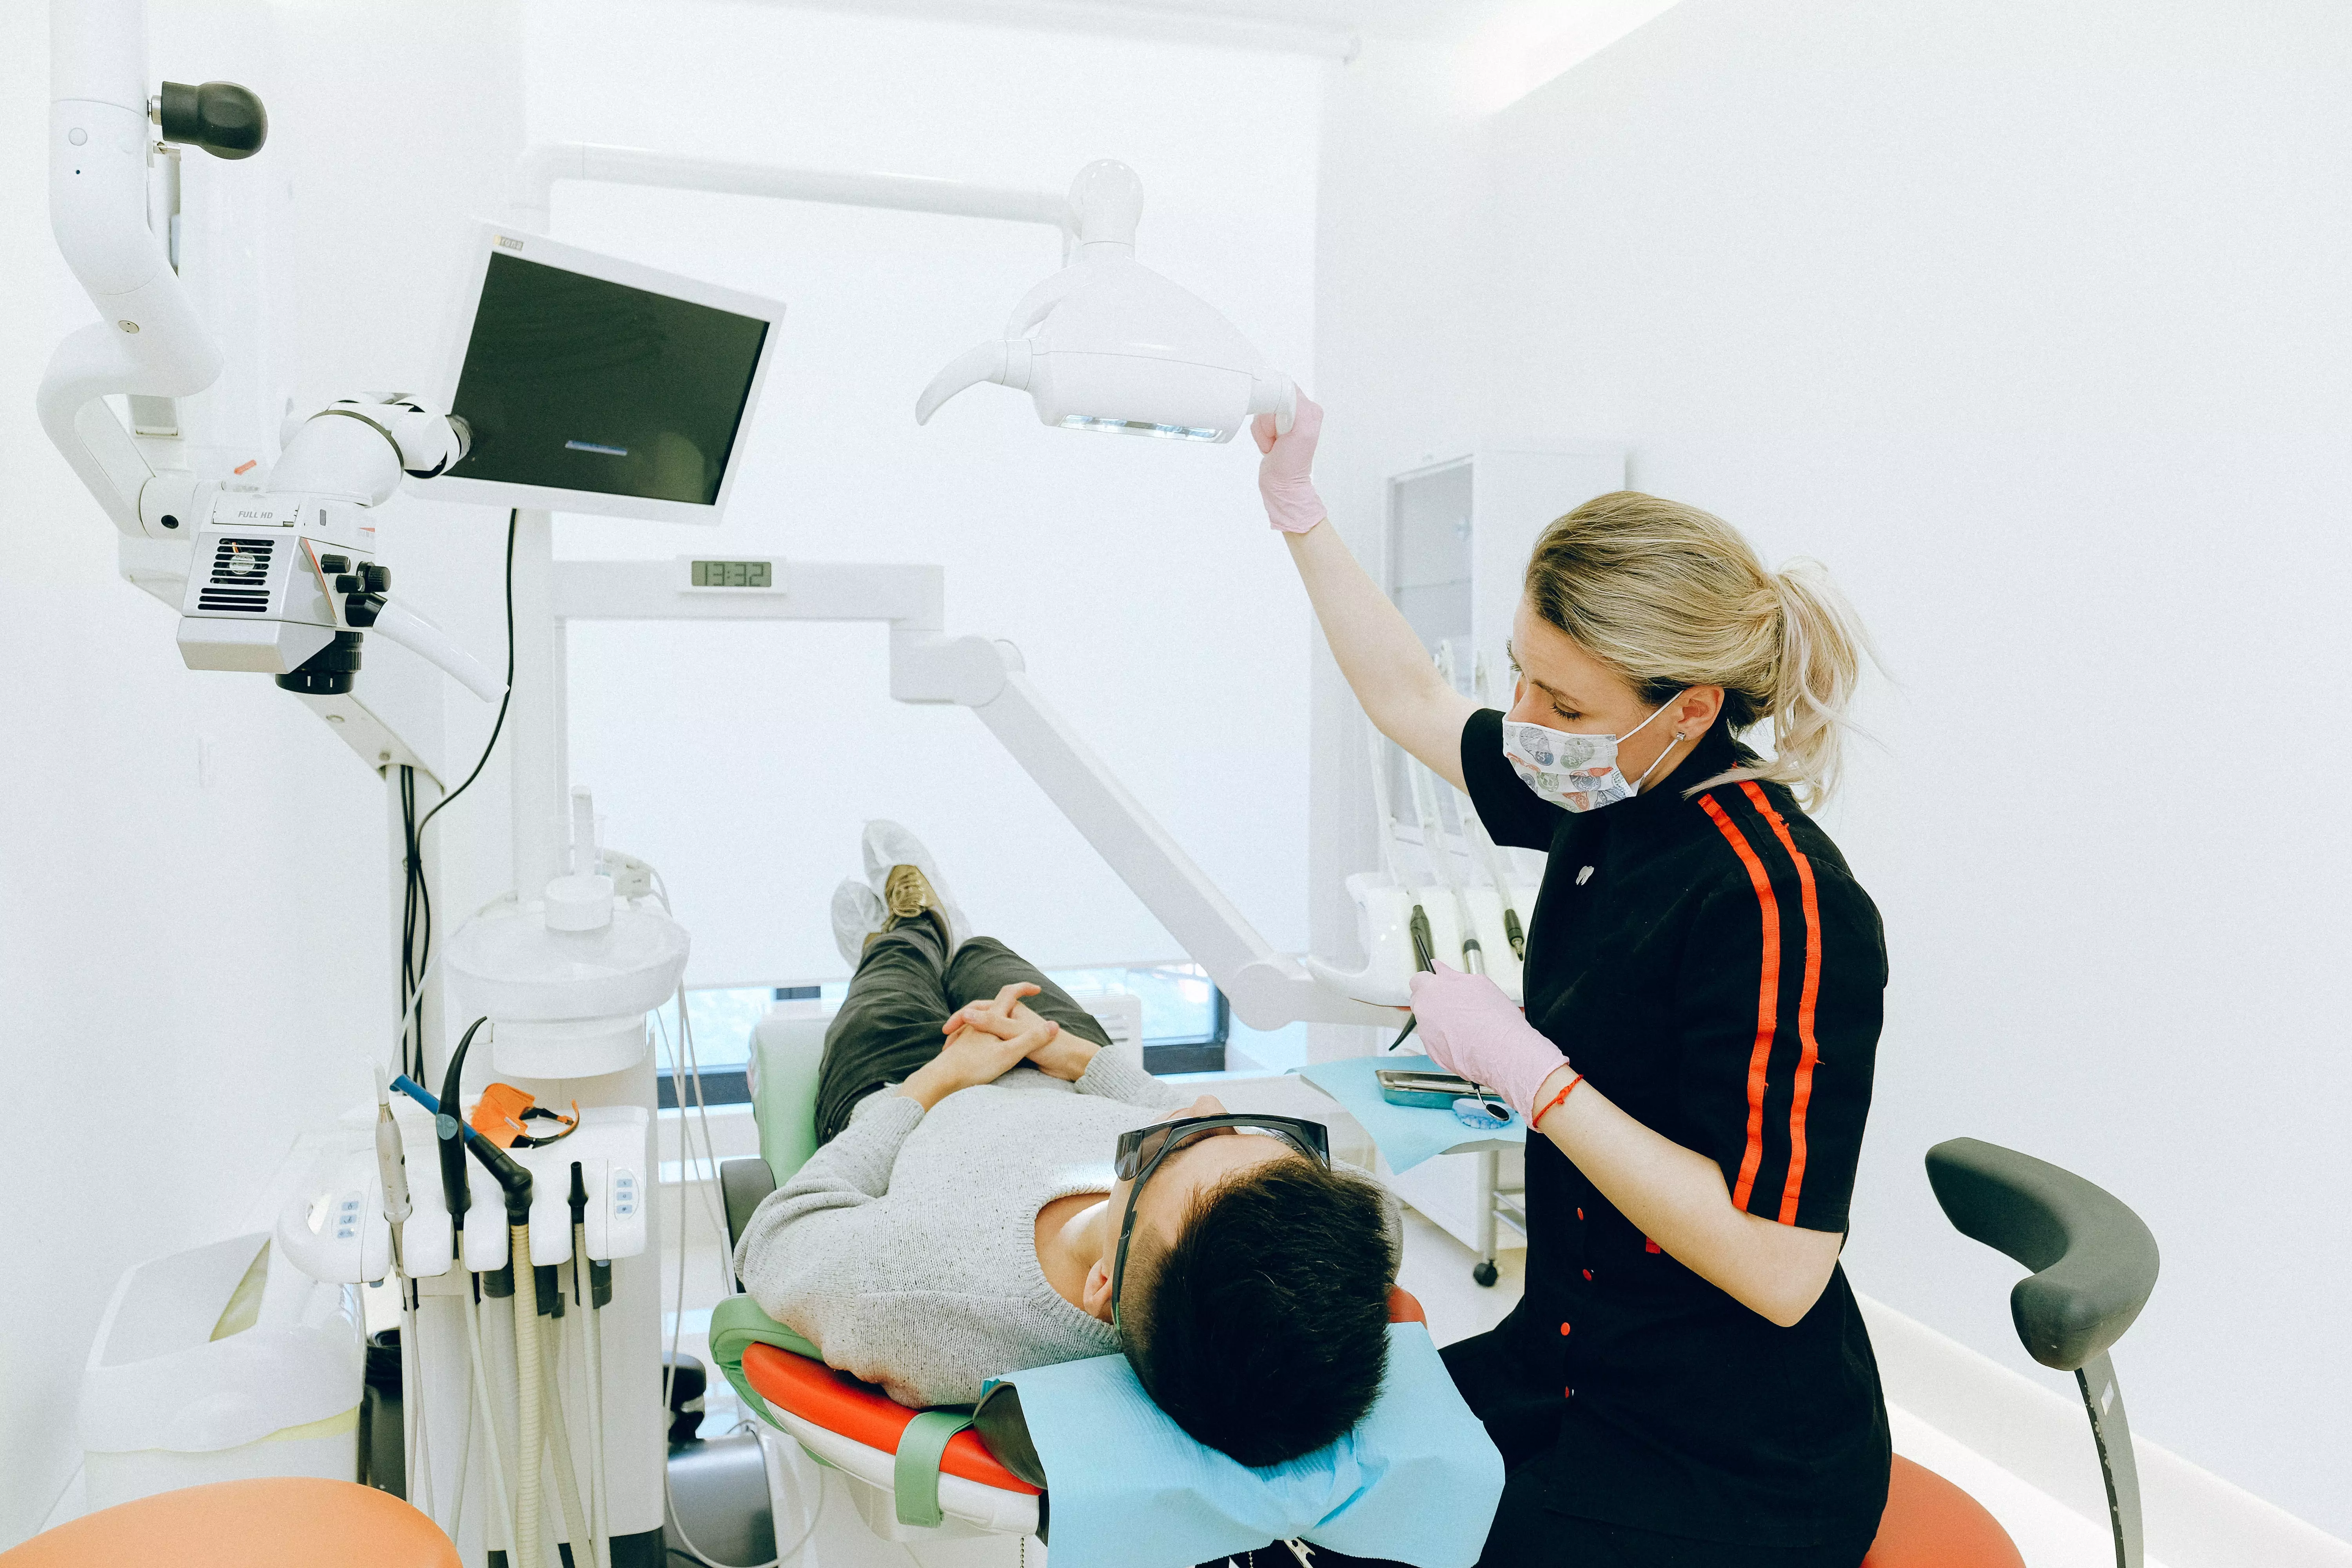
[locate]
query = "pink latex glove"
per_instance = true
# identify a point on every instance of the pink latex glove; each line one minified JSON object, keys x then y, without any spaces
{"x":1283,"y":477}
{"x":1475,"y":1031}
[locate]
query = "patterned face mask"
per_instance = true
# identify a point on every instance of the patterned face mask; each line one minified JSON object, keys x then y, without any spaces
{"x":1575,"y":772}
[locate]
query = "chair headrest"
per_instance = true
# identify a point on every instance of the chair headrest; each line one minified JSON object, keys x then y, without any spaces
{"x":2093,"y":1261}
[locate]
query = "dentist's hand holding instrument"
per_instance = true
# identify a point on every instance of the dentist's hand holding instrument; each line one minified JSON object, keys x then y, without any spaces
{"x":1474,"y":1030}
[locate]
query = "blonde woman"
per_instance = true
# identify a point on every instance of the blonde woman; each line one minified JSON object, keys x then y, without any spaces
{"x":1687,"y":1380}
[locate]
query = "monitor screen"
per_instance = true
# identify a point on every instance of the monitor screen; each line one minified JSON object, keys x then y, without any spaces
{"x":576,"y":382}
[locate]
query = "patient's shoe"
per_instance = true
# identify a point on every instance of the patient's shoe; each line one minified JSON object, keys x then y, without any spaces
{"x":858,"y":917}
{"x":901,"y":869}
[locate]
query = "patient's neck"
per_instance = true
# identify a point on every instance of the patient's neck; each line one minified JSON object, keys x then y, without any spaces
{"x":1069,"y":1241}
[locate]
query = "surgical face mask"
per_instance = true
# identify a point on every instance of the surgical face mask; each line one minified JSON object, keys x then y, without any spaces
{"x":1575,"y":772}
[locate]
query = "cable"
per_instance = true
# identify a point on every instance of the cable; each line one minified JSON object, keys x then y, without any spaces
{"x":713,"y":1198}
{"x":678,"y":1315}
{"x":465,"y":1459}
{"x":513,"y":519}
{"x":417,"y":897}
{"x":710,"y":1209}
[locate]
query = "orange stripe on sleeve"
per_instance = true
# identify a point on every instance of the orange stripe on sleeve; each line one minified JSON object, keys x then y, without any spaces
{"x":1810,"y":1049}
{"x":1768,"y":998}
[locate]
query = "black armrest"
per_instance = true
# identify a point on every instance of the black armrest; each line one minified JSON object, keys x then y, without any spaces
{"x":1004,"y":1432}
{"x":2093,"y":1261}
{"x":742,"y":1183}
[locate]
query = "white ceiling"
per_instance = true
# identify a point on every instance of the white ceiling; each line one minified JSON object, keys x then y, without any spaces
{"x":1303,"y":22}
{"x":1509,"y":46}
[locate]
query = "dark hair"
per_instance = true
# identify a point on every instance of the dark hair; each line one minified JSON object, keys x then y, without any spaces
{"x":1261,"y":1329}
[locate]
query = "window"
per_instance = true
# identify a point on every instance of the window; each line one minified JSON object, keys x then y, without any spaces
{"x":1186,"y":1024}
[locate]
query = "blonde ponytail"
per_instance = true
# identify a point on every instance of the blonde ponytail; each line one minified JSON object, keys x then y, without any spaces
{"x":1673,"y":597}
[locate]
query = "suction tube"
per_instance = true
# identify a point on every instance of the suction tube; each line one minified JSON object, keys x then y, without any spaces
{"x":530,"y":1550}
{"x":583,"y":1294}
{"x":481,"y":1380}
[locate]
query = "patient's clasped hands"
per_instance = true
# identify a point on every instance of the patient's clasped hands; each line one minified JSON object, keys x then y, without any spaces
{"x":988,"y":1039}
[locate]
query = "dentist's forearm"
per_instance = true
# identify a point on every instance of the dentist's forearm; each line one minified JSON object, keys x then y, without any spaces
{"x":1381,"y":655}
{"x":1677,"y":1197}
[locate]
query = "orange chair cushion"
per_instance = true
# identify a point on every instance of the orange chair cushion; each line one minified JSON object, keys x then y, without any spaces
{"x":1931,"y":1523}
{"x":284,"y":1522}
{"x":864,"y":1414}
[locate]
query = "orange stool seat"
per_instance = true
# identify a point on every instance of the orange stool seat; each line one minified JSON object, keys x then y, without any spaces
{"x":1931,"y":1523}
{"x":284,"y":1522}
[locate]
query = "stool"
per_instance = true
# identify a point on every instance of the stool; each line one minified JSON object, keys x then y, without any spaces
{"x":1931,"y":1523}
{"x":283,"y":1521}
{"x":2093,"y":1264}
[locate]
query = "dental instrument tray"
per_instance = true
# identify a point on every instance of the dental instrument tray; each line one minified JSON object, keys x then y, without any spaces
{"x":1438,"y":1090}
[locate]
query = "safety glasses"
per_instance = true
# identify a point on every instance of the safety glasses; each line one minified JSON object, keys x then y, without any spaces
{"x":1145,"y":1149}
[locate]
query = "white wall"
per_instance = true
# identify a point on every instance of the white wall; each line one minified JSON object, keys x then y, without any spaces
{"x":1137,"y":577}
{"x":2026,"y":320}
{"x":188,"y":970}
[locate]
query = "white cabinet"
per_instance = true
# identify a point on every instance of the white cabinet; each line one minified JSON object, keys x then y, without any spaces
{"x":1460,"y":532}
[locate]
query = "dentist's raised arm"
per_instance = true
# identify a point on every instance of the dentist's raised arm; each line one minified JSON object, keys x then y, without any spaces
{"x":1378,"y":650}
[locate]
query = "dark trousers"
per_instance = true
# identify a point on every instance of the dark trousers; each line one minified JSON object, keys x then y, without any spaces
{"x":906,"y":986}
{"x":1527,"y":1533}
{"x":1560,"y":1541}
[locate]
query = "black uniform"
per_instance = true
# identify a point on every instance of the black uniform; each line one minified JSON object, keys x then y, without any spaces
{"x":1709,"y":964}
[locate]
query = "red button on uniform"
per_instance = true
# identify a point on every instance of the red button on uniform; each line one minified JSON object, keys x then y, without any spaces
{"x":1563,"y":1327}
{"x":1579,"y":1214}
{"x":1588,"y":1274}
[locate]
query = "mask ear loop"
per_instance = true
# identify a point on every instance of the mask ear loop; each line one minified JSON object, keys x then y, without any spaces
{"x":1662,"y":756}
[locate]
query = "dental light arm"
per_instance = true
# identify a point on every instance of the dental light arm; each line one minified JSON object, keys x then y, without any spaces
{"x":1109,"y":345}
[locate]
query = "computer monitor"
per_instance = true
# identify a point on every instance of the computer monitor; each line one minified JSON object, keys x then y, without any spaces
{"x":594,"y":385}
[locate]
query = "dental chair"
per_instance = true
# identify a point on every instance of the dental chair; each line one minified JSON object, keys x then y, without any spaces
{"x":2093,"y":1264}
{"x":915,"y":1475}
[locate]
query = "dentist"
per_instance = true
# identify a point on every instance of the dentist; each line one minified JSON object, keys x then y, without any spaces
{"x":1687,"y":1380}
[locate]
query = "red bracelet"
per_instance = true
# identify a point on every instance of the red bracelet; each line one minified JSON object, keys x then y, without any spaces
{"x":1553,"y":1104}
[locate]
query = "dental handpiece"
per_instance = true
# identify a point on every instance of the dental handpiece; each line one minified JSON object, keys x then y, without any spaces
{"x":391,"y":1168}
{"x":1487,"y":850}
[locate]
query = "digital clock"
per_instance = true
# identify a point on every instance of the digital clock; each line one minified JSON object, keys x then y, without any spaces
{"x":733,"y":574}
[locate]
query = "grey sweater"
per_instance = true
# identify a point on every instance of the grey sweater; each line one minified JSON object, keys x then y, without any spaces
{"x":905,"y":1249}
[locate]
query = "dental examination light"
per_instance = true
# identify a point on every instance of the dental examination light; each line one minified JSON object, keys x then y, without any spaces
{"x":1109,"y":345}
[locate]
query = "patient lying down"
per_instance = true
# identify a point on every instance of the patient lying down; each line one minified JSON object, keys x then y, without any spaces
{"x":961,"y":1220}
